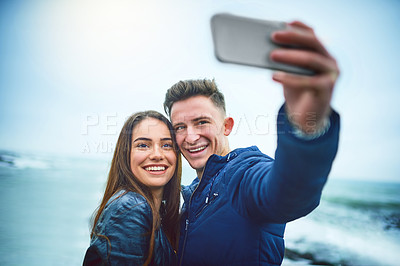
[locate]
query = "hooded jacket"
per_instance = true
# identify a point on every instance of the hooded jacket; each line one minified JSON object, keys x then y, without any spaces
{"x":236,"y":214}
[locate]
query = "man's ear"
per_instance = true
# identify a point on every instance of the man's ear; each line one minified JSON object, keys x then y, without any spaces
{"x":228,"y":125}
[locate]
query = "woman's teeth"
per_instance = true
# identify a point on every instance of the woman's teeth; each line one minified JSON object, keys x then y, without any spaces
{"x":155,"y":168}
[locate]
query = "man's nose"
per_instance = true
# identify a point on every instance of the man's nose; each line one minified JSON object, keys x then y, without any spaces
{"x":191,"y":135}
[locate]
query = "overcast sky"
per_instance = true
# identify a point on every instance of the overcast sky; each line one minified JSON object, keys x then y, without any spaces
{"x":71,"y":71}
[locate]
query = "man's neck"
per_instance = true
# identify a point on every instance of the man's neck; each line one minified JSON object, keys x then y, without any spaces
{"x":200,"y":172}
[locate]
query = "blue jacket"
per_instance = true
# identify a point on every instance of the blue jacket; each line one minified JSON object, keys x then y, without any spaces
{"x":126,"y":222}
{"x":237,"y":214}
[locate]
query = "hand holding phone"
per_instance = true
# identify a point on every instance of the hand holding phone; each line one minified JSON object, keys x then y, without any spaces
{"x":247,"y":41}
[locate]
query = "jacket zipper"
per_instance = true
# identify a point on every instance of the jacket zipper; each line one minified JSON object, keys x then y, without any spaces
{"x":187,"y":223}
{"x":209,"y":198}
{"x":190,"y":203}
{"x":207,"y":203}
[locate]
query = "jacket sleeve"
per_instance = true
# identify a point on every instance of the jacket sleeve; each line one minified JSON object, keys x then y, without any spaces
{"x":93,"y":257}
{"x":290,"y":187}
{"x":125,"y":238}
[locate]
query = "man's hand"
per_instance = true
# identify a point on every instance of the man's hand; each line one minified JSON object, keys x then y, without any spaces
{"x":307,"y":97}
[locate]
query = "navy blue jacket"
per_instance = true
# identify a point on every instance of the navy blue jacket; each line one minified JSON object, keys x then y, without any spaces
{"x":126,"y":222}
{"x":237,"y":214}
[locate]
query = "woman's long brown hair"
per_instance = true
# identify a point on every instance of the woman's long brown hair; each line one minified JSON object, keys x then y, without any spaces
{"x":121,"y":177}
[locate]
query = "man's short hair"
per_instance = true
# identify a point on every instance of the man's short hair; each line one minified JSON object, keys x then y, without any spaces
{"x":189,"y":88}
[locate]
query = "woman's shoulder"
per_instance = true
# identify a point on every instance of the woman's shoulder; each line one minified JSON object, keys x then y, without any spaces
{"x":127,"y":202}
{"x":123,"y":226}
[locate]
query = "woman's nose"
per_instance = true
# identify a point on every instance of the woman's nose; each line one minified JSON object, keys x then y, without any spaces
{"x":156,"y":153}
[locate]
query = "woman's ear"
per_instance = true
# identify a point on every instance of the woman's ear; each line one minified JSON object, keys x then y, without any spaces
{"x":228,"y":125}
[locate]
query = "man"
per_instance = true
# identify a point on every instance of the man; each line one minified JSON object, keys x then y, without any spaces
{"x":236,"y":209}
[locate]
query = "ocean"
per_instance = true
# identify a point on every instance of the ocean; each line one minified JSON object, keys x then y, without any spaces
{"x":46,"y":202}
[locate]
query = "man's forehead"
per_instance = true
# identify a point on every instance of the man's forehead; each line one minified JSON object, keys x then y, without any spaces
{"x":194,"y":107}
{"x":188,"y":116}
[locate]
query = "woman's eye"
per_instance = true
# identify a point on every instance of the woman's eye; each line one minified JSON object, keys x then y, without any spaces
{"x":167,"y":146}
{"x":142,"y":145}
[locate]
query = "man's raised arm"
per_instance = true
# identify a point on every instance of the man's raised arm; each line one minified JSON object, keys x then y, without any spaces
{"x":307,"y":97}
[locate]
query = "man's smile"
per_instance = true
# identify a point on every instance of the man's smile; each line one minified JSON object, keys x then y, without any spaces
{"x":197,"y":149}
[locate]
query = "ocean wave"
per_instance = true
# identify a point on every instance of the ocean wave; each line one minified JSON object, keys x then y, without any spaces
{"x":22,"y":161}
{"x":42,"y":161}
{"x":363,"y":203}
{"x":322,"y":243}
{"x":357,"y":223}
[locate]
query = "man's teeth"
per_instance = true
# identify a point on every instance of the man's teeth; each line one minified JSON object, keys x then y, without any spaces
{"x":155,"y":168}
{"x":198,"y":149}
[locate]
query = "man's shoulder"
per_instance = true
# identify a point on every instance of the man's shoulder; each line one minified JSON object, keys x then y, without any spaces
{"x":248,"y":153}
{"x":246,"y":159}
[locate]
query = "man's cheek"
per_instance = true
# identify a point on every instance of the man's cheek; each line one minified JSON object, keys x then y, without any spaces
{"x":179,"y":141}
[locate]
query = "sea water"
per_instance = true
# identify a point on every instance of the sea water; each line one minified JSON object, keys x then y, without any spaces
{"x":357,"y":223}
{"x":45,"y":206}
{"x":46,"y":203}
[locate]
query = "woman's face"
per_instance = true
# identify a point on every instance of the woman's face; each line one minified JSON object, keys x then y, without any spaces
{"x":153,"y":158}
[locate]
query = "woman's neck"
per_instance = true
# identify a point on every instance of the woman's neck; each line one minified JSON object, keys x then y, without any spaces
{"x":157,"y":196}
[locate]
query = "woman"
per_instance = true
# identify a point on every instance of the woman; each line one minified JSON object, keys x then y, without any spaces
{"x":137,"y":220}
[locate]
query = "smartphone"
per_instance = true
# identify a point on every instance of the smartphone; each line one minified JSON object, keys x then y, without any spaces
{"x":247,"y":41}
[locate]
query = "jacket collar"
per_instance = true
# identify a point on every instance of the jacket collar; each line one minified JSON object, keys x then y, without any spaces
{"x":214,"y":164}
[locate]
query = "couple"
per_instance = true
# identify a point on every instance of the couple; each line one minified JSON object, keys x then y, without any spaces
{"x":236,"y":209}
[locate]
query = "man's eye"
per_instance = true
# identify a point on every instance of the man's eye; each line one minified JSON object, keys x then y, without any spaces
{"x":202,"y":122}
{"x":178,"y":128}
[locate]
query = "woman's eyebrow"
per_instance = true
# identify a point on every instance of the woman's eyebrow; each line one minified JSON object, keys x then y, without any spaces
{"x":145,"y":139}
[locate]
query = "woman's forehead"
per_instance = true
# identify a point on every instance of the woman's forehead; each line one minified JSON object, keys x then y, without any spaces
{"x":152,"y":127}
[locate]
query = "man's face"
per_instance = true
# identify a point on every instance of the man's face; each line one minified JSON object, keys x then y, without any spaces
{"x":201,"y":129}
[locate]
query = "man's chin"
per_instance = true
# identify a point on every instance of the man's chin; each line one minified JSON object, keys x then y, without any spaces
{"x":197,"y":167}
{"x":196,"y":164}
